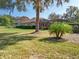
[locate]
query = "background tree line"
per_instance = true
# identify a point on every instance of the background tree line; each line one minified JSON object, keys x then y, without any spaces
{"x":71,"y":15}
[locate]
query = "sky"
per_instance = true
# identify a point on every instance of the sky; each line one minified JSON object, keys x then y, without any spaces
{"x":45,"y":14}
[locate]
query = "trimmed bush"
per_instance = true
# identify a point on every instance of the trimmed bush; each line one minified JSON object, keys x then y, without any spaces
{"x":26,"y":27}
{"x":59,"y":29}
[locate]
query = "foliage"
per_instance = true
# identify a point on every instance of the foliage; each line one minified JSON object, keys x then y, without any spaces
{"x":7,"y":5}
{"x":26,"y":27}
{"x":59,"y":29}
{"x":53,"y":16}
{"x":72,"y":14}
{"x":77,"y":20}
{"x":6,"y":20}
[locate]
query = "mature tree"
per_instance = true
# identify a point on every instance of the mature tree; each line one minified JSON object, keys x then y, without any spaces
{"x":72,"y":13}
{"x":39,"y":6}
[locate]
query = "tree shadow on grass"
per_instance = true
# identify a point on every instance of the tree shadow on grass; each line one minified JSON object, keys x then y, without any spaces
{"x":10,"y":39}
{"x":52,"y":40}
{"x":2,"y":35}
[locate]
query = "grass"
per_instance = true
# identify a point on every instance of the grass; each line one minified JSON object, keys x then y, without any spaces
{"x":19,"y":44}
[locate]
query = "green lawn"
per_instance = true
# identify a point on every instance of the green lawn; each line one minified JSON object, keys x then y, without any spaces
{"x":20,"y":44}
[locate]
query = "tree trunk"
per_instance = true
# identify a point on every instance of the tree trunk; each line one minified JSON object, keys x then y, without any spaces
{"x":61,"y":34}
{"x":57,"y":35}
{"x":37,"y":16}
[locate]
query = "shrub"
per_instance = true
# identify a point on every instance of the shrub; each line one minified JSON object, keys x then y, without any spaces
{"x":26,"y":27}
{"x":59,"y":29}
{"x":6,"y":20}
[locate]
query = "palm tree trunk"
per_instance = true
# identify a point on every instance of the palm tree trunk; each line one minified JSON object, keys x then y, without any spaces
{"x":37,"y":16}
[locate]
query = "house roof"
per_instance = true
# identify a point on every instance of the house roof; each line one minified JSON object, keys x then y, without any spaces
{"x":23,"y":20}
{"x":41,"y":20}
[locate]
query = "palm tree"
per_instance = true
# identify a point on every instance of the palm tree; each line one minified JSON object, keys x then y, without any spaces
{"x":38,"y":5}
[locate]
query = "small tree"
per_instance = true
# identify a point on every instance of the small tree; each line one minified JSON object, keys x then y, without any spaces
{"x":59,"y":29}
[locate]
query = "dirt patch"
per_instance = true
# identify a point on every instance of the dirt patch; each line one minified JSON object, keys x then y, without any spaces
{"x":72,"y":38}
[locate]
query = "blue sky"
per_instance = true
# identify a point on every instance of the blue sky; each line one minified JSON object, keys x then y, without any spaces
{"x":31,"y":12}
